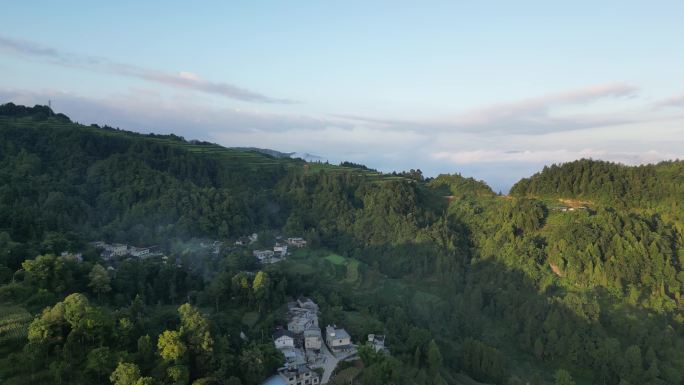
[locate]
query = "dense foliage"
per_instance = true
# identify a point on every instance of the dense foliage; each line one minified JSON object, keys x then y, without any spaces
{"x":467,"y":285}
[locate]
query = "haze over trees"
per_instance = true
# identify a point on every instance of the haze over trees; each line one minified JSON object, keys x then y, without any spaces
{"x":467,"y":285}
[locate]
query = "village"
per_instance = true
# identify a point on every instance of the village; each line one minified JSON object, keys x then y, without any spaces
{"x":311,"y":355}
{"x":279,"y":251}
{"x":110,"y":251}
{"x":311,"y":352}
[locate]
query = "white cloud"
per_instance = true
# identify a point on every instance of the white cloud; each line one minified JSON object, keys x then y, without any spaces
{"x":675,"y":101}
{"x":529,"y":116}
{"x":189,"y":76}
{"x":184,"y":80}
{"x":550,"y":156}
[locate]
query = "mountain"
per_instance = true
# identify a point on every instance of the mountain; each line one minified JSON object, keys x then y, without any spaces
{"x":577,"y":274}
{"x":307,"y":157}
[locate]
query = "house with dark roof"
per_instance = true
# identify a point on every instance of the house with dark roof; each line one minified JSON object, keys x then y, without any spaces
{"x":283,"y":339}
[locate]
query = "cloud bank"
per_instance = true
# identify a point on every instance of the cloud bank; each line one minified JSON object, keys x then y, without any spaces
{"x":528,"y":116}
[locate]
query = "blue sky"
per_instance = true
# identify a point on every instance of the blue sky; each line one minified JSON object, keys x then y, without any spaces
{"x":491,"y":89}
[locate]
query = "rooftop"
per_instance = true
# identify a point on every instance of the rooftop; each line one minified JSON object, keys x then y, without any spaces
{"x":282,"y":332}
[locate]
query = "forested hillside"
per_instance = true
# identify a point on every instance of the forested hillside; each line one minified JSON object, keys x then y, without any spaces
{"x":468,"y":286}
{"x":658,"y":187}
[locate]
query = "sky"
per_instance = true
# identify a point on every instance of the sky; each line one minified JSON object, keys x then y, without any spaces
{"x":489,"y":89}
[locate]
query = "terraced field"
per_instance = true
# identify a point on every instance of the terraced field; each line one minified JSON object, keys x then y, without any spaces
{"x":14,"y":321}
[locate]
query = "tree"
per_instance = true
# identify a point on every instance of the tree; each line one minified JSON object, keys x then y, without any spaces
{"x":563,"y":377}
{"x":125,"y":374}
{"x":179,"y":374}
{"x":253,"y":363}
{"x":48,"y":328}
{"x":75,"y":308}
{"x":538,"y":348}
{"x":99,"y":280}
{"x":260,"y":288}
{"x":170,"y":345}
{"x":145,"y":352}
{"x":196,"y":328}
{"x":100,"y":361}
{"x":633,"y":363}
{"x":434,"y":357}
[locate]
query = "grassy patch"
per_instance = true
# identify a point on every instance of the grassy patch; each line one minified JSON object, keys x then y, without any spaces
{"x":336,"y":259}
{"x":352,"y":271}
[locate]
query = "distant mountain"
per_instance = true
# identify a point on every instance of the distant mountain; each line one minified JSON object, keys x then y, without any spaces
{"x":307,"y":157}
{"x":267,"y":151}
{"x":283,"y":155}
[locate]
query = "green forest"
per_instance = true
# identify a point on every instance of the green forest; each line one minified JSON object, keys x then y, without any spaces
{"x":576,"y":277}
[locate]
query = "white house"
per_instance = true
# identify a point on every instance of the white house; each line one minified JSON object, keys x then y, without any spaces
{"x":299,"y":375}
{"x":283,"y":339}
{"x":111,"y":251}
{"x":264,"y":256}
{"x":280,"y":249}
{"x":117,"y":249}
{"x":296,"y":242}
{"x":377,"y":342}
{"x":242,"y":241}
{"x":140,"y":252}
{"x":337,"y":339}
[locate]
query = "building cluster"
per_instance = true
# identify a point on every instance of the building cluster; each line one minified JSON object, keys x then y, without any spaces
{"x":306,"y":348}
{"x":300,"y":343}
{"x":279,"y":251}
{"x":110,"y":251}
